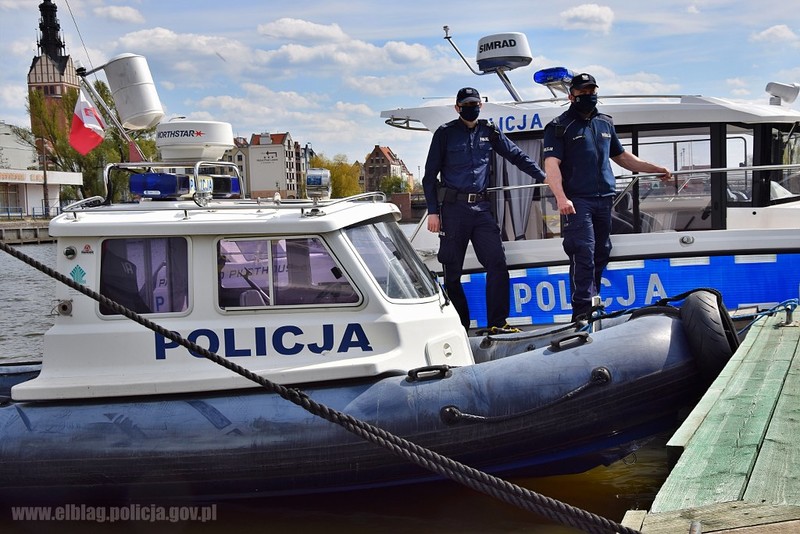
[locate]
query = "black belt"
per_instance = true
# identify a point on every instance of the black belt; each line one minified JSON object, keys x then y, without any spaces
{"x":472,"y":198}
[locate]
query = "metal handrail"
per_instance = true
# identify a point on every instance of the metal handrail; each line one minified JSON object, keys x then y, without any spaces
{"x":315,"y":205}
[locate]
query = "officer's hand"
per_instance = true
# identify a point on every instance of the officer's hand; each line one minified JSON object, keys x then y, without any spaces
{"x":565,"y":207}
{"x":433,"y":223}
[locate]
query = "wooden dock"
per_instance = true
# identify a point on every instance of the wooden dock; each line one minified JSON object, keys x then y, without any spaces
{"x":737,"y":455}
{"x":25,"y":232}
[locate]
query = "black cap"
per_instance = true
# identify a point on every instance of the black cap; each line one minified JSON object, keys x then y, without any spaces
{"x":467,"y":94}
{"x":579,"y":81}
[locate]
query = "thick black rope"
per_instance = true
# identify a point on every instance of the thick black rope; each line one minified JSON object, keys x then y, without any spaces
{"x":498,"y":488}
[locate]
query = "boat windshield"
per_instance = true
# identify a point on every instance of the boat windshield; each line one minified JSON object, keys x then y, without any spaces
{"x":391,"y":260}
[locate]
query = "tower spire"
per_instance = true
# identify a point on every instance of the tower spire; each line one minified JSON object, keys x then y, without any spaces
{"x":50,"y":42}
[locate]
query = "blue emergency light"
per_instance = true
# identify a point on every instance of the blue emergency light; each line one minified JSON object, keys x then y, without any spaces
{"x":553,"y":76}
{"x":159,"y":185}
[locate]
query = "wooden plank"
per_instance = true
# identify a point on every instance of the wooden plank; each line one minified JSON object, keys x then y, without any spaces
{"x":777,"y":470}
{"x":717,"y":463}
{"x":677,"y":443}
{"x":634,"y":519}
{"x":721,"y":517}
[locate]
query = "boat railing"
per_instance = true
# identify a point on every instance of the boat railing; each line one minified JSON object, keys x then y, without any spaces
{"x":646,"y":204}
{"x":308,"y":207}
{"x":738,"y":179}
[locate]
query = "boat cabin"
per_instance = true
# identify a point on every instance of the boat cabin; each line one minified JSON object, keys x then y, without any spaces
{"x":296,"y":291}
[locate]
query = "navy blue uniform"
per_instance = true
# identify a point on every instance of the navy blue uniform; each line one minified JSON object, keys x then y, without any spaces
{"x":463,"y":158}
{"x":584,"y":146}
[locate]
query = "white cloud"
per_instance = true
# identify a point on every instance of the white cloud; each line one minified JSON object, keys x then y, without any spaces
{"x":736,"y":83}
{"x":23,"y":47}
{"x":14,"y":5}
{"x":779,"y":33}
{"x":13,"y":96}
{"x":355,"y":109}
{"x":400,"y":52}
{"x":119,"y":13}
{"x":639,"y":83}
{"x":302,"y":30}
{"x":163,"y":41}
{"x":590,"y":17}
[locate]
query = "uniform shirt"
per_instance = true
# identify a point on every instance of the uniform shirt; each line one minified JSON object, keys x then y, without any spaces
{"x":463,"y":157}
{"x":584,"y":150}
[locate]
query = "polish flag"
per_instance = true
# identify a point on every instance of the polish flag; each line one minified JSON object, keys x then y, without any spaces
{"x":87,"y":128}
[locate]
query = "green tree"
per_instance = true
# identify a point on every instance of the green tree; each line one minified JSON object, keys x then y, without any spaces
{"x":344,"y":175}
{"x":393,"y":184}
{"x":53,"y":118}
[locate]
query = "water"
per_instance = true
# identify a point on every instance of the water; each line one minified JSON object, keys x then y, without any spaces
{"x":25,"y":314}
{"x":26,"y":304}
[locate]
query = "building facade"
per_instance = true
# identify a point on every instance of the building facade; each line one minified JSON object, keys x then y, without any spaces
{"x":383,"y":163}
{"x":271,"y":163}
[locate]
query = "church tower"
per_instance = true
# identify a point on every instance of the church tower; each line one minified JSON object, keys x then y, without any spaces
{"x":52,"y":72}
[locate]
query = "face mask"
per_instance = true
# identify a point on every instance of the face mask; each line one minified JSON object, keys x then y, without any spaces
{"x":469,"y":113}
{"x":585,"y":103}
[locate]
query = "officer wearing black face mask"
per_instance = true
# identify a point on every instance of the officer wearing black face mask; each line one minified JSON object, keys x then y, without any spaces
{"x":577,"y":147}
{"x":459,"y":207}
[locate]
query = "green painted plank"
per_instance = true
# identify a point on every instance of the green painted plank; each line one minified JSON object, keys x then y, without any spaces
{"x":720,"y":456}
{"x":677,"y":443}
{"x":776,"y":474}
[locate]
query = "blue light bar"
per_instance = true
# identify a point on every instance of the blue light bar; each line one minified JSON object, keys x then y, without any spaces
{"x":159,"y":185}
{"x":553,"y":76}
{"x":227,"y":187}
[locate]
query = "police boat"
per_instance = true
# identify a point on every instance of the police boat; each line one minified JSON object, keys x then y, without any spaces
{"x":327,"y":298}
{"x":728,"y":219}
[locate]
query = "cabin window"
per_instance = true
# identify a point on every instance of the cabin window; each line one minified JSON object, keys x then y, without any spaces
{"x":391,"y":261}
{"x":280,"y":272}
{"x":146,"y":275}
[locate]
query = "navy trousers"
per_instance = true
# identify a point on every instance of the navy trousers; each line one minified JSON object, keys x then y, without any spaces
{"x":462,"y":223}
{"x":587,"y":242}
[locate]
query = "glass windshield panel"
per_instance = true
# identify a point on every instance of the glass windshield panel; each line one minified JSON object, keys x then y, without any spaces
{"x":392,"y":262}
{"x":146,"y":275}
{"x":280,"y":272}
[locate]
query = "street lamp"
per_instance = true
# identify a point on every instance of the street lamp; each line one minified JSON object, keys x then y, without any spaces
{"x":45,"y":198}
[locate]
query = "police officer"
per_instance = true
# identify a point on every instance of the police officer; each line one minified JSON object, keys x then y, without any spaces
{"x":459,"y":208}
{"x":577,"y":148}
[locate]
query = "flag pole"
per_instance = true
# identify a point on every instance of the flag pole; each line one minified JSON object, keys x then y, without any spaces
{"x":98,"y":101}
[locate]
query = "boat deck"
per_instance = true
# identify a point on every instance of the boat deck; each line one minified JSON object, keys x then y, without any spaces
{"x":737,"y":462}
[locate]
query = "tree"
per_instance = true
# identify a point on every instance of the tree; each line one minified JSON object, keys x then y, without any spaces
{"x":52,"y":118}
{"x":393,"y":184}
{"x":344,"y":175}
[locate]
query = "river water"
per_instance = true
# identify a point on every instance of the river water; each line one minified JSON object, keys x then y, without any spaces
{"x":25,"y":314}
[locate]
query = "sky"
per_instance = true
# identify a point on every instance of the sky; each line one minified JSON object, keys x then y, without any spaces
{"x":324,"y":70}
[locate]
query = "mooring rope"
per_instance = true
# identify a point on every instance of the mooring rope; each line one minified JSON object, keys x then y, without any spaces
{"x":491,"y":485}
